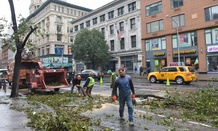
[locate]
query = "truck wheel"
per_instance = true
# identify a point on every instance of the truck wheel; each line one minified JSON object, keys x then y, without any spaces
{"x":56,"y":89}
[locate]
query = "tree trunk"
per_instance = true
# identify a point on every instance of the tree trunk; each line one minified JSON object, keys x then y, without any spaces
{"x":16,"y":74}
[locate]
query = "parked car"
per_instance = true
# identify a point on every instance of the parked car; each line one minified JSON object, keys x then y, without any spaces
{"x":179,"y":74}
{"x":85,"y":74}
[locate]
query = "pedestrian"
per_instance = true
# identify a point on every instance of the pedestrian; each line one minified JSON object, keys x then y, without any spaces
{"x":141,"y":70}
{"x":89,"y":84}
{"x":135,"y":70}
{"x":113,"y":77}
{"x":77,"y":82}
{"x":126,"y":94}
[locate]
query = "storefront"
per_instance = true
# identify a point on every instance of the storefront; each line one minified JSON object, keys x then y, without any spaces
{"x":212,"y":59}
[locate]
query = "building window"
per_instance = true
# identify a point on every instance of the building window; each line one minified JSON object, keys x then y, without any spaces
{"x":154,"y":8}
{"x":176,"y":3}
{"x":121,"y":24}
{"x":71,"y":11}
{"x":78,"y":13}
{"x":76,"y":28}
{"x":58,"y":19}
{"x":59,"y":36}
{"x":179,"y":19}
{"x":155,"y":26}
{"x":94,"y":21}
{"x":43,"y":51}
{"x":132,"y":23}
{"x":158,"y":43}
{"x":55,"y":7}
{"x":133,"y":41}
{"x":71,"y":39}
{"x":186,"y":40}
{"x":211,"y":36}
{"x":81,"y":25}
{"x":58,"y":28}
{"x":102,"y":18}
{"x":111,"y":29}
{"x":71,"y":30}
{"x":132,"y":6}
{"x":62,"y":9}
{"x":74,"y":12}
{"x":112,"y":45}
{"x":122,"y":44}
{"x":211,"y":13}
{"x":111,"y":15}
{"x":59,"y":8}
{"x":87,"y":23}
{"x":47,"y":50}
{"x":120,"y":11}
{"x":68,"y":11}
{"x":103,"y":31}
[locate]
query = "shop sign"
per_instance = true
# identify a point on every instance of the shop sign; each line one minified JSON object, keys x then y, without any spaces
{"x":212,"y":49}
{"x":159,"y":53}
{"x":185,"y":52}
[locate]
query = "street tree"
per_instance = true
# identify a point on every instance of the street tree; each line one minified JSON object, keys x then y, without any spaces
{"x":90,"y":47}
{"x":16,"y":42}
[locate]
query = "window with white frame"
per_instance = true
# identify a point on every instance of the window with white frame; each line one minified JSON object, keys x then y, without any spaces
{"x":158,"y":43}
{"x":211,"y":13}
{"x":58,"y":19}
{"x":112,"y":45}
{"x":81,"y":25}
{"x":155,"y":26}
{"x":58,"y":28}
{"x":133,"y":41}
{"x":88,"y":23}
{"x":176,"y":3}
{"x":211,"y":36}
{"x":94,"y":21}
{"x":111,"y":29}
{"x":186,"y":39}
{"x":120,"y":11}
{"x":132,"y":23}
{"x":178,"y":20}
{"x":59,"y":37}
{"x":122,"y":44}
{"x":71,"y":39}
{"x":111,"y":15}
{"x":154,"y":8}
{"x":76,"y":28}
{"x":132,"y":6}
{"x":103,"y":31}
{"x":102,"y":18}
{"x":121,"y":24}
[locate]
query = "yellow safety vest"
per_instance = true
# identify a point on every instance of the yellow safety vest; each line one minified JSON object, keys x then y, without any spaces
{"x":112,"y":76}
{"x":91,"y":82}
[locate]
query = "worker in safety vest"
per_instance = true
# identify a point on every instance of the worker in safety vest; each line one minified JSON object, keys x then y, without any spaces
{"x":90,"y":82}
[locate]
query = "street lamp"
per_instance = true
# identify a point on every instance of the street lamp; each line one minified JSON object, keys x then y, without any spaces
{"x":177,"y":33}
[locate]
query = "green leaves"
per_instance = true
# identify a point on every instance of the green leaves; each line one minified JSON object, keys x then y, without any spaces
{"x":90,"y":47}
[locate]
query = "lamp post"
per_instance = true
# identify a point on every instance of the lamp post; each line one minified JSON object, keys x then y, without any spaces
{"x":177,"y":33}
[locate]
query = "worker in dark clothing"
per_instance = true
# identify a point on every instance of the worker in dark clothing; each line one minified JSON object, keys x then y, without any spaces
{"x":126,"y":94}
{"x":89,"y":84}
{"x":77,"y":82}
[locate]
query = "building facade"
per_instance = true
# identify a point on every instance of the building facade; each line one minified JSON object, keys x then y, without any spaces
{"x":195,"y":24}
{"x":54,"y":18}
{"x":119,"y":21}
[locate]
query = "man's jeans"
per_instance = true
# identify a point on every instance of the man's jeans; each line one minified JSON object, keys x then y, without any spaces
{"x":128,"y":100}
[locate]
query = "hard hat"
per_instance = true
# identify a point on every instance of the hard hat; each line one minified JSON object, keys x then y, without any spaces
{"x":78,"y":77}
{"x":109,"y":72}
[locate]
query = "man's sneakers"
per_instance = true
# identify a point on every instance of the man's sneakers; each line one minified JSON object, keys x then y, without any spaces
{"x":122,"y":119}
{"x":131,"y":123}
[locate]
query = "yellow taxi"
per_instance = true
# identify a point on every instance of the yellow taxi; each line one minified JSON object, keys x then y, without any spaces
{"x":179,"y":74}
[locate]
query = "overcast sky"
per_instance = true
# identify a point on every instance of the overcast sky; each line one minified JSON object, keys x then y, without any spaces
{"x":22,"y":6}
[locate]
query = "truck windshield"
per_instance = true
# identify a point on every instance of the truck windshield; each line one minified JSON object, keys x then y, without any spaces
{"x":29,"y":65}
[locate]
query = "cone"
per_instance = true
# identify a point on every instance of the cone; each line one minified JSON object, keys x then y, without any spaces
{"x":168,"y":82}
{"x":101,"y":82}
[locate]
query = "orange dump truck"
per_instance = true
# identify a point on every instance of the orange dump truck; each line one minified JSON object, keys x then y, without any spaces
{"x":34,"y":76}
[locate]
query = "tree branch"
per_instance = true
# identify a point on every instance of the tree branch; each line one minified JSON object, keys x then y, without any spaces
{"x":28,"y":35}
